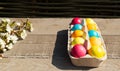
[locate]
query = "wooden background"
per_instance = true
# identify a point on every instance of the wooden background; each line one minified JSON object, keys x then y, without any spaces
{"x":60,"y":8}
{"x":46,"y":47}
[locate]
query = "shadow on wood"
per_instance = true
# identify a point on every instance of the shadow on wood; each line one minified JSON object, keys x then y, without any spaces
{"x":60,"y":57}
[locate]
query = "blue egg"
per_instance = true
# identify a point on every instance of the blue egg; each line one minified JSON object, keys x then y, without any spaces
{"x":93,"y":33}
{"x":76,"y":27}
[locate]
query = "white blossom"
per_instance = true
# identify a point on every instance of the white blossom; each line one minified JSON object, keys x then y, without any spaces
{"x":23,"y":34}
{"x":13,"y":38}
{"x":9,"y":46}
{"x":2,"y":43}
{"x":18,"y":23}
{"x":6,"y":20}
{"x":8,"y":28}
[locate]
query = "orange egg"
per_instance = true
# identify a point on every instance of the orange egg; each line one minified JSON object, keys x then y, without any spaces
{"x":92,"y":27}
{"x":95,"y":41}
{"x":77,"y":33}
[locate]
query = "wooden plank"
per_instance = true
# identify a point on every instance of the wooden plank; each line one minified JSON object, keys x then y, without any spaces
{"x":56,"y":64}
{"x":54,"y":25}
{"x":14,"y":9}
{"x":48,"y":25}
{"x":47,"y":46}
{"x":38,"y":39}
{"x":107,"y":25}
{"x":113,"y":46}
{"x":32,"y":3}
{"x":8,"y":3}
{"x":98,"y":1}
{"x":98,"y":15}
{"x":97,"y":10}
{"x":96,"y":6}
{"x":85,"y":8}
{"x":8,"y":13}
{"x":42,"y":7}
{"x":31,"y":50}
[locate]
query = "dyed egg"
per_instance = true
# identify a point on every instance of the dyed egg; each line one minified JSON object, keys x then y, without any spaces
{"x":78,"y":51}
{"x":76,"y":20}
{"x":93,"y":33}
{"x":78,"y":40}
{"x":95,"y":41}
{"x":97,"y":51}
{"x":76,"y":27}
{"x":77,"y":33}
{"x":92,"y":27}
{"x":90,"y":21}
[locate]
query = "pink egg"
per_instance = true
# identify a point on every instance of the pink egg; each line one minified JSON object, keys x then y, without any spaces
{"x":78,"y":51}
{"x":76,"y":20}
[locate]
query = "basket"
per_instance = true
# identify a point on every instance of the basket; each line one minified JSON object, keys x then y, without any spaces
{"x":87,"y":60}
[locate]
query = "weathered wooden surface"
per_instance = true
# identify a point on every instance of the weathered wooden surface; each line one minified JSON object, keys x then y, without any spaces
{"x":59,"y":64}
{"x":45,"y":48}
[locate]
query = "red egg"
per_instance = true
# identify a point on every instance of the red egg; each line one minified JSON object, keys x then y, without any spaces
{"x":78,"y":51}
{"x":76,"y":20}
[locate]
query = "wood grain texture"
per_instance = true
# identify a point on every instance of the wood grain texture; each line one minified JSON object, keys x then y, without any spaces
{"x":51,"y":33}
{"x":46,"y":47}
{"x":48,"y":64}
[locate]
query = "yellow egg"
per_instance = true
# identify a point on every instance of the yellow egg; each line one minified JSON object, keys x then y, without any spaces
{"x":77,"y":33}
{"x":78,"y":40}
{"x":90,"y":21}
{"x":92,"y":27}
{"x":97,"y":51}
{"x":95,"y":41}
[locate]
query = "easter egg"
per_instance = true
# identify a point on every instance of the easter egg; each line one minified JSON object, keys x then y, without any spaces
{"x":78,"y":51}
{"x":76,"y":27}
{"x":78,"y":40}
{"x":95,"y":41}
{"x":92,"y":27}
{"x":97,"y":51}
{"x":90,"y":21}
{"x":77,"y":33}
{"x":76,"y":20}
{"x":93,"y":33}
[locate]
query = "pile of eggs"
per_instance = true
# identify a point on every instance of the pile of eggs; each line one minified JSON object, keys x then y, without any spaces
{"x":96,"y":49}
{"x":79,"y":41}
{"x":78,"y":35}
